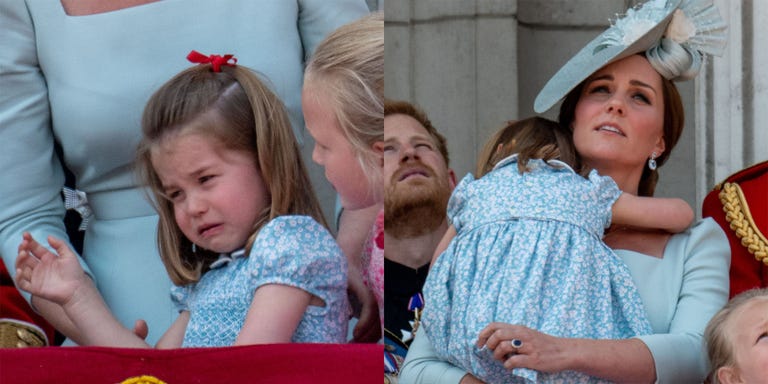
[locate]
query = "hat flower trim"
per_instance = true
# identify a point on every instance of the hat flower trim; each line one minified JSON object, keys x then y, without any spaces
{"x":696,"y":28}
{"x":635,"y":23}
{"x":680,"y":29}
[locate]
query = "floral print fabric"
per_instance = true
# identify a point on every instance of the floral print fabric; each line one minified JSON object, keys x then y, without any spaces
{"x":289,"y":250}
{"x":528,"y":251}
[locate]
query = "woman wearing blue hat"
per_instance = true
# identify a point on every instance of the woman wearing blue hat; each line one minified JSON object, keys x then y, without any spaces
{"x":626,"y":116}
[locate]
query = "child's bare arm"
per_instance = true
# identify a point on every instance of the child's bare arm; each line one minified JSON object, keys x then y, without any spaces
{"x":670,"y":214}
{"x":174,"y":336}
{"x":276,"y":310}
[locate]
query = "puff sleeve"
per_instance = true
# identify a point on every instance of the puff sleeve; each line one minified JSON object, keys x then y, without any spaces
{"x":298,"y":252}
{"x":459,"y":200}
{"x":605,"y":195}
{"x":180,"y":296}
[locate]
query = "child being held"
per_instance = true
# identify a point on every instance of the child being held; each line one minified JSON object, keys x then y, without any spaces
{"x":525,"y":248}
{"x":241,"y":233}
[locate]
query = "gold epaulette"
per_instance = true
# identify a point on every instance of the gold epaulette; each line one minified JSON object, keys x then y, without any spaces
{"x":740,"y":219}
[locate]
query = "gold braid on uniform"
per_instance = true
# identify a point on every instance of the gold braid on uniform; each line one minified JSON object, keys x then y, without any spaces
{"x":737,"y":214}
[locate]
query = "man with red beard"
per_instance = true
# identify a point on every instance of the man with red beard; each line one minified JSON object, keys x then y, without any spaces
{"x":418,"y":184}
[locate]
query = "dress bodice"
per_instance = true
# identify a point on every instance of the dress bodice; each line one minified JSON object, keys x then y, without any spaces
{"x":544,"y":192}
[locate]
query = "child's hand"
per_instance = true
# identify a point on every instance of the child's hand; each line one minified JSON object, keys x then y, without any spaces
{"x":43,"y":273}
{"x":141,"y":329}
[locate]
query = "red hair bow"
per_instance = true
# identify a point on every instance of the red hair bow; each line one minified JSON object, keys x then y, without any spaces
{"x":216,"y":61}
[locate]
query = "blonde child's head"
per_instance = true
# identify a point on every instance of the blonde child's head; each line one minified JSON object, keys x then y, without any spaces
{"x":234,"y":108}
{"x":737,"y":339}
{"x":347,"y":72}
{"x":531,"y":138}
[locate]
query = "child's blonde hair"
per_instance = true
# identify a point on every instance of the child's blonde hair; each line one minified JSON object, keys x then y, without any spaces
{"x":718,"y":339}
{"x":348,"y":66}
{"x":235,"y":108}
{"x":531,"y":138}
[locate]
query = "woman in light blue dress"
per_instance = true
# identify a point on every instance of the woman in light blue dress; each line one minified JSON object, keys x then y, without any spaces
{"x":528,"y":251}
{"x":626,"y":116}
{"x":83,"y":80}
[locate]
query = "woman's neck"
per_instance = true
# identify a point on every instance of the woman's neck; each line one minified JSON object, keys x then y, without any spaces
{"x":627,"y":179}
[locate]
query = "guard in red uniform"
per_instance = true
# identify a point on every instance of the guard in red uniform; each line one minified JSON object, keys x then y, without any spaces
{"x":740,"y":205}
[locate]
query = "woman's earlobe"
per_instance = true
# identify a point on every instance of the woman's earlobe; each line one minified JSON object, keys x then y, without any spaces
{"x":661,"y":146}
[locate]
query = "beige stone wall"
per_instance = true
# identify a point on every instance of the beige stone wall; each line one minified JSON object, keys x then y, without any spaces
{"x":456,"y":59}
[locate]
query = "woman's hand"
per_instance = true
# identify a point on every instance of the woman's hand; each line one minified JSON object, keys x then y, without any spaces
{"x":45,"y":274}
{"x":625,"y":360}
{"x":521,"y":347}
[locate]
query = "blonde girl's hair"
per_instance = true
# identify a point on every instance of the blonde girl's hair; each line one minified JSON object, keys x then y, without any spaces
{"x":235,"y":108}
{"x":718,"y":339}
{"x":531,"y":138}
{"x":348,"y":68}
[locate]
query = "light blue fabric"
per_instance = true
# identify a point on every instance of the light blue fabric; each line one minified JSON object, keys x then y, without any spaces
{"x":289,"y":250}
{"x":84,"y":81}
{"x":528,"y":251}
{"x":681,"y":292}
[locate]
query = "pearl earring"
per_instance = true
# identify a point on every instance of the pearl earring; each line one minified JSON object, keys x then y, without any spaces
{"x":652,"y":162}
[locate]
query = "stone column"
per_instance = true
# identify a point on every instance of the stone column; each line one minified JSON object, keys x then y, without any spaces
{"x":732,"y":98}
{"x":456,"y":59}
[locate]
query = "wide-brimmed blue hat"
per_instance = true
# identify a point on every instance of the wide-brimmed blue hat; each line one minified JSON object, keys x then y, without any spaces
{"x":674,"y":34}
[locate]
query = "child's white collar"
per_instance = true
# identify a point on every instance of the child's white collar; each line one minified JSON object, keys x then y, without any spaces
{"x":226,"y":258}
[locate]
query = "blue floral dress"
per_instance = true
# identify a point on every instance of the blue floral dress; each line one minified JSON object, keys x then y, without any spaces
{"x":528,"y":251}
{"x":289,"y":250}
